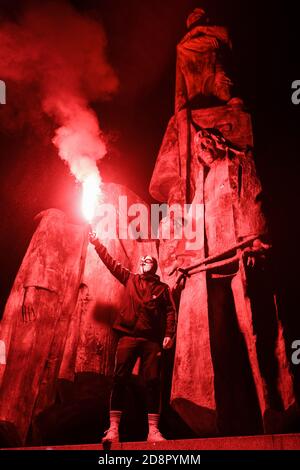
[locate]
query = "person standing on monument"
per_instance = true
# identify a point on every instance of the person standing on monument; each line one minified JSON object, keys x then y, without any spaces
{"x":146,"y":324}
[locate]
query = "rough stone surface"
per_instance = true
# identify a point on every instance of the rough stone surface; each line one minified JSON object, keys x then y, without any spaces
{"x":76,"y":299}
{"x":271,"y":442}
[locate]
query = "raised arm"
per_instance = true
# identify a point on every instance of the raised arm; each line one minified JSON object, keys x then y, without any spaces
{"x":120,"y":273}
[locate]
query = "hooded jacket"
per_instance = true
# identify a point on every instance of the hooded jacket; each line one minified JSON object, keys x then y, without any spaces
{"x":148,"y":310}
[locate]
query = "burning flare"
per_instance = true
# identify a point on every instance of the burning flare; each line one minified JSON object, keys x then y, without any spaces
{"x":60,"y":54}
{"x":91,"y":192}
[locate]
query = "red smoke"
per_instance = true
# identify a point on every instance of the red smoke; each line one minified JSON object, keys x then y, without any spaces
{"x":61,"y":53}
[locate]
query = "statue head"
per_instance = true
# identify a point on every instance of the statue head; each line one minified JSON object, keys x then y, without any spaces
{"x":148,"y":265}
{"x":208,"y":143}
{"x":197,"y":16}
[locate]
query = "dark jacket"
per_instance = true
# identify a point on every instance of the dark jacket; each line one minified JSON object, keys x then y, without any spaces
{"x":148,"y":309}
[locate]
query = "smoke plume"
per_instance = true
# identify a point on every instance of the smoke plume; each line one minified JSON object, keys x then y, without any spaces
{"x":61,"y":55}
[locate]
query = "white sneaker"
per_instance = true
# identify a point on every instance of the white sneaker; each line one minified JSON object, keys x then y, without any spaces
{"x":111,"y":435}
{"x":155,"y":436}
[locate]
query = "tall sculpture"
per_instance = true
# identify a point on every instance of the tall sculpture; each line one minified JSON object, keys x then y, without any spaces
{"x":57,"y":322}
{"x":206,"y":160}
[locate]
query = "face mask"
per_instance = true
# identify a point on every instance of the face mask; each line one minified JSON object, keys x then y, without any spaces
{"x":147,"y":265}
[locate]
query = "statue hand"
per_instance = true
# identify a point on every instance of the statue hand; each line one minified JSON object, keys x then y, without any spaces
{"x":28,"y":311}
{"x":222,"y":79}
{"x":93,"y":238}
{"x":257,"y":250}
{"x":167,"y":343}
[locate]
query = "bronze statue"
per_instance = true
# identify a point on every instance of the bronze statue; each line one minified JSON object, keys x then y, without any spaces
{"x":206,"y":160}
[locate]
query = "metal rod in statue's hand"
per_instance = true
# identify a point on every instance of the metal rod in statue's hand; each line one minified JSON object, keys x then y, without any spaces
{"x":213,"y":258}
{"x":220,"y":264}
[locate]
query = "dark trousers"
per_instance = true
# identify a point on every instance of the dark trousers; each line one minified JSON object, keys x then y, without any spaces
{"x":128,"y":350}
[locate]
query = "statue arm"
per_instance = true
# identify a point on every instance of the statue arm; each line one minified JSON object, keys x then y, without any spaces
{"x":252,"y":192}
{"x":43,"y":267}
{"x":251,"y":202}
{"x":198,"y":44}
{"x":44,"y":277}
{"x":39,"y":277}
{"x":206,"y":37}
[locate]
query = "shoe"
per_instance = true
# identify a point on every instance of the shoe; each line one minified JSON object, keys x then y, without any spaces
{"x":155,"y":436}
{"x":111,"y":435}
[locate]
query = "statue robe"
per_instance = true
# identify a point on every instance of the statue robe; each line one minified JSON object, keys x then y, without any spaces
{"x":193,"y":384}
{"x":52,"y":263}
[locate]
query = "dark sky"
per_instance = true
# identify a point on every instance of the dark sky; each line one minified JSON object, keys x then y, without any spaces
{"x":142,"y":37}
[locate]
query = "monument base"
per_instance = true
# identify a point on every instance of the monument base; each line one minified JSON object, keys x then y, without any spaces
{"x":263,"y":442}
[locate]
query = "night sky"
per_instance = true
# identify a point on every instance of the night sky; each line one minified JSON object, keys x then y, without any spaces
{"x":142,"y":37}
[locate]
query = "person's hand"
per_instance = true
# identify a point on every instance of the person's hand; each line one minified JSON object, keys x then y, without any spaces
{"x":93,"y":237}
{"x":222,"y":79}
{"x":167,"y":343}
{"x":258,"y":249}
{"x":28,"y":308}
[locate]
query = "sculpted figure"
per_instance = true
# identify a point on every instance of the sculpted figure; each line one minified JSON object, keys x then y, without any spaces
{"x":222,"y":300}
{"x":57,"y":323}
{"x":33,"y":315}
{"x":202,"y":54}
{"x":229,"y":337}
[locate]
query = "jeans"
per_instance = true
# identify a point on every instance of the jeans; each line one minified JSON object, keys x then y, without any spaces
{"x":128,"y":350}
